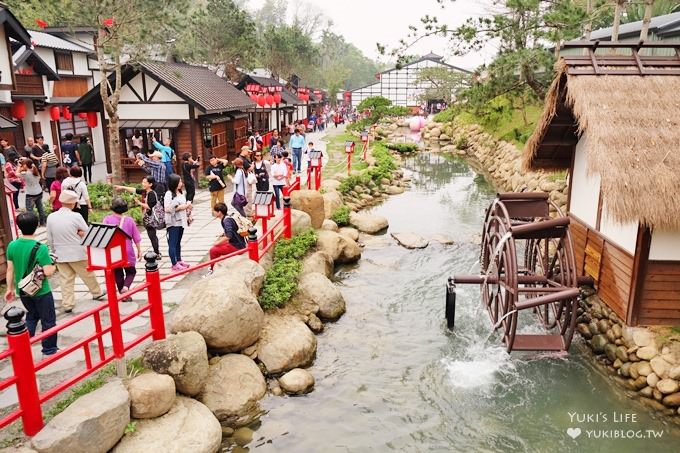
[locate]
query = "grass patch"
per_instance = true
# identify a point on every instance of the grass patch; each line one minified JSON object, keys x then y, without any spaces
{"x":280,"y":281}
{"x":337,"y":158}
{"x":511,"y":129}
{"x":341,"y":216}
{"x":559,"y":176}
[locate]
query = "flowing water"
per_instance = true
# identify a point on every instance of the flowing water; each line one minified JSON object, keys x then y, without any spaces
{"x":391,"y":377}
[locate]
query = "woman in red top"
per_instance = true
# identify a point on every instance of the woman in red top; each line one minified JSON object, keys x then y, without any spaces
{"x":55,"y":187}
{"x":11,"y":168}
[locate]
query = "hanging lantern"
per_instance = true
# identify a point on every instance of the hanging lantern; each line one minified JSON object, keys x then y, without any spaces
{"x":261,"y":101}
{"x":82,"y":115}
{"x":18,"y":110}
{"x":91,"y":119}
{"x":55,"y":113}
{"x":67,"y":113}
{"x":41,"y":23}
{"x":277,"y":98}
{"x":108,"y":23}
{"x":270,"y":99}
{"x":253,"y":97}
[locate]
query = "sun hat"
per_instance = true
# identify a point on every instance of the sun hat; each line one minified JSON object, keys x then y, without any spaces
{"x":68,"y":197}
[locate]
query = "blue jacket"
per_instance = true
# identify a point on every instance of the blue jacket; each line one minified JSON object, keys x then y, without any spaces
{"x":165,"y":150}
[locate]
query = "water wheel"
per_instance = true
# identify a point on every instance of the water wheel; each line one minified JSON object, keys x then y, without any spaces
{"x":546,"y":283}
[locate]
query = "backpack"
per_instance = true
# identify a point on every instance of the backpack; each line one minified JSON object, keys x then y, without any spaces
{"x":243,"y":223}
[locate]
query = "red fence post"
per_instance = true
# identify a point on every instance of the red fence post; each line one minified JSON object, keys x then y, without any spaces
{"x":155,"y":296}
{"x":22,"y":363}
{"x":253,"y":252}
{"x":114,"y":317}
{"x":287,"y":219}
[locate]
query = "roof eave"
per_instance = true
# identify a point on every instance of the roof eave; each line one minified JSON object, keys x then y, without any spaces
{"x":16,"y":30}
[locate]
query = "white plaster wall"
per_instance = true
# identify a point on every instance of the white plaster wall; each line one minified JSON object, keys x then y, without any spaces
{"x":80,"y":64}
{"x":135,"y":83}
{"x":585,"y":190}
{"x":5,"y":59}
{"x":153,"y":111}
{"x":47,"y":55}
{"x":162,"y":95}
{"x":665,"y":246}
{"x":98,"y":142}
{"x":621,"y":234}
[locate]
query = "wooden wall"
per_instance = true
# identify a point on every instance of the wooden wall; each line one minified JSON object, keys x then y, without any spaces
{"x":610,"y":266}
{"x":183,"y":143}
{"x":660,"y":300}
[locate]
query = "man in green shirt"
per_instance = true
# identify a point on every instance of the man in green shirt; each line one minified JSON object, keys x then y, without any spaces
{"x":40,"y":306}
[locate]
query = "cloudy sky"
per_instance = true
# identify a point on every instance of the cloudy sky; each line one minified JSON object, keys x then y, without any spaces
{"x":365,"y":22}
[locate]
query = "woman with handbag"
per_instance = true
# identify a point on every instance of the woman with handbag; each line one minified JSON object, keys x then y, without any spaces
{"x":125,"y":276}
{"x":240,"y":200}
{"x":176,"y":206}
{"x":154,"y":215}
{"x":261,"y":173}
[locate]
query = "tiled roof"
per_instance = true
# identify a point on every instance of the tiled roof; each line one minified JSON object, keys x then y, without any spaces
{"x":53,"y":42}
{"x":200,"y":85}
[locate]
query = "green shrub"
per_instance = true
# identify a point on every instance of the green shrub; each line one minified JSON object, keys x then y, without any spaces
{"x":341,"y":216}
{"x":102,"y":194}
{"x":447,"y":115}
{"x":462,"y":142}
{"x":280,"y":281}
{"x":403,"y":147}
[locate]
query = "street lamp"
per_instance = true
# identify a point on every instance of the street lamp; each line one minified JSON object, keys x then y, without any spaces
{"x":349,"y":149}
{"x":264,"y":210}
{"x":315,"y":163}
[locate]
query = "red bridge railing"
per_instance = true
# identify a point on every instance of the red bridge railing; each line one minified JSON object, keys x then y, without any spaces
{"x":19,"y":352}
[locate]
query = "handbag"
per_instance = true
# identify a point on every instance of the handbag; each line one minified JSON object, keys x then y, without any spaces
{"x":251,"y":178}
{"x":154,"y":217}
{"x":32,"y":280}
{"x":239,"y":200}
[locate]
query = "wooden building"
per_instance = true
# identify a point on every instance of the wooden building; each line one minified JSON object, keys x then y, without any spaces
{"x":613,"y":122}
{"x":265,"y":119}
{"x":201,"y":112}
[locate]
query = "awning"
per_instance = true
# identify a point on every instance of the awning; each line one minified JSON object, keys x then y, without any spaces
{"x":6,"y":123}
{"x":149,"y":124}
{"x":28,"y":96}
{"x":63,"y":100}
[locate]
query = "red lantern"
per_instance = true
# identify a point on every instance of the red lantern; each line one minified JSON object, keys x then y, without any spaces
{"x":55,"y":113}
{"x":277,"y":98}
{"x":270,"y":99}
{"x":82,"y":115}
{"x":253,"y":97}
{"x":261,"y":101}
{"x":41,"y":23}
{"x":108,"y":22}
{"x":91,"y":119}
{"x":67,"y":113}
{"x":18,"y":110}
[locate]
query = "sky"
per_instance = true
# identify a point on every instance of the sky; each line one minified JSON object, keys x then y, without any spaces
{"x":366,"y":22}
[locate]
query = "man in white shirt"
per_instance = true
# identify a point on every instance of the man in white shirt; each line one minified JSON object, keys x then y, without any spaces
{"x":65,"y":230}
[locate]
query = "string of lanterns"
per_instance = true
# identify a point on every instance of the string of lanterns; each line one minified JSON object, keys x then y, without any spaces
{"x":18,"y":111}
{"x":264,"y":96}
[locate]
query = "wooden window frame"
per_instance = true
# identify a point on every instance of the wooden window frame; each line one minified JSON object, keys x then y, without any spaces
{"x":66,"y":57}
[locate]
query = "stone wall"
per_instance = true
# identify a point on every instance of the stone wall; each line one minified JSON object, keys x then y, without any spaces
{"x":500,"y":160}
{"x":642,"y":361}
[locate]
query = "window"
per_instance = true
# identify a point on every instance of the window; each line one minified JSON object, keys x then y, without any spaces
{"x":64,"y":61}
{"x":207,"y":134}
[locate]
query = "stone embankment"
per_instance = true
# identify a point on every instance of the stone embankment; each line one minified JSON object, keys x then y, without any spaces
{"x":644,"y":362}
{"x":225,"y":353}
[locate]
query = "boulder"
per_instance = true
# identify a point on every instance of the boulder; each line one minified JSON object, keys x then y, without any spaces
{"x":311,"y":202}
{"x":188,"y":426}
{"x":394,"y":190}
{"x":672,"y":400}
{"x":235,"y":384}
{"x":223,"y":310}
{"x":251,"y":272}
{"x":330,"y":184}
{"x":442,"y":239}
{"x":314,"y":323}
{"x":668,"y":386}
{"x":285,"y":343}
{"x":642,"y":337}
{"x":598,"y":343}
{"x":329,"y":225}
{"x":297,"y":381}
{"x":647,"y":352}
{"x":151,"y":395}
{"x":184,"y":357}
{"x":610,"y":351}
{"x":331,"y":202}
{"x":318,"y":289}
{"x":660,"y":366}
{"x":674,"y":372}
{"x":93,"y":423}
{"x":350,"y":252}
{"x":349,"y":233}
{"x":319,"y":261}
{"x":300,"y":221}
{"x":338,"y":247}
{"x":411,"y":240}
{"x":368,"y":223}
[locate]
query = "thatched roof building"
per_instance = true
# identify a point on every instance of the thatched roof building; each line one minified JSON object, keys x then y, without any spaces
{"x":633,"y":128}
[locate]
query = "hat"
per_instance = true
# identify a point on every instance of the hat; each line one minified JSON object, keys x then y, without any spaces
{"x":68,"y":196}
{"x":246,"y":148}
{"x":156,"y":154}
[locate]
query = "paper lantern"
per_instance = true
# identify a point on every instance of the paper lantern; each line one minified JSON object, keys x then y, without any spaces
{"x":67,"y":113}
{"x":55,"y":113}
{"x":253,"y":97}
{"x":270,"y":99}
{"x":108,"y":22}
{"x":277,"y":98}
{"x":18,"y":110}
{"x":414,"y":124}
{"x":41,"y":23}
{"x":91,"y":119}
{"x":422,"y":122}
{"x":261,"y":101}
{"x":82,"y":115}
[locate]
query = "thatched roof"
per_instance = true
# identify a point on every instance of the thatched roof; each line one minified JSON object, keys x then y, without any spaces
{"x":633,"y":127}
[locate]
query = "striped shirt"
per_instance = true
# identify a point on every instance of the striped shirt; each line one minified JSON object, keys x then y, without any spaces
{"x":50,"y":158}
{"x":154,"y":168}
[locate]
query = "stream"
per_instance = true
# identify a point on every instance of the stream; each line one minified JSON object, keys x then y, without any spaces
{"x":391,"y":377}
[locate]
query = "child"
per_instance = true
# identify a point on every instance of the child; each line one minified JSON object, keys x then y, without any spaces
{"x":20,"y":263}
{"x":289,"y":166}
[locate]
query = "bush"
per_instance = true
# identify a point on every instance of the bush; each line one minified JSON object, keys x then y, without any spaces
{"x":101,"y":195}
{"x":447,"y":115}
{"x":462,"y":142}
{"x":280,"y":281}
{"x":341,"y":216}
{"x":403,"y":147}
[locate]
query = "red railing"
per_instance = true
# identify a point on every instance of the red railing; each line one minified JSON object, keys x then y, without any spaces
{"x":19,"y":350}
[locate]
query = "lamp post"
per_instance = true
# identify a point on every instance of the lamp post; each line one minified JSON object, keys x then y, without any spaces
{"x":315,"y":164}
{"x":263,"y":203}
{"x":349,"y":150}
{"x":364,"y":140}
